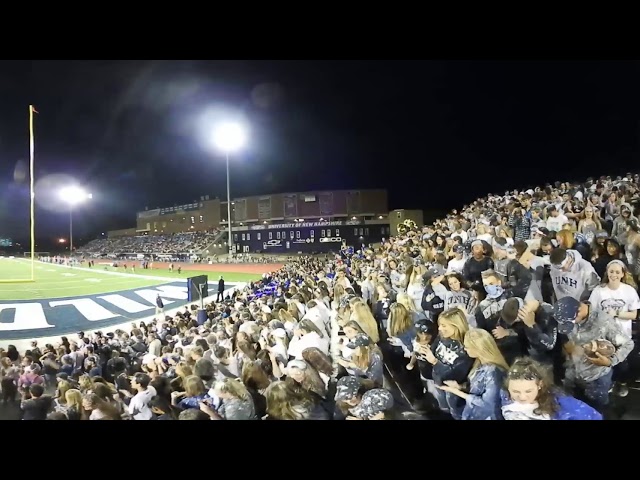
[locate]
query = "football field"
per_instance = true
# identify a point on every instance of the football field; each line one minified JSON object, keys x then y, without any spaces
{"x":64,"y":300}
{"x":56,"y":281}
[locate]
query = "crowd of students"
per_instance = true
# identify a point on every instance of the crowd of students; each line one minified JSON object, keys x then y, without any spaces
{"x":521,"y":306}
{"x":178,"y":243}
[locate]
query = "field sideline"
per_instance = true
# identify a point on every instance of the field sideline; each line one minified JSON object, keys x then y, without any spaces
{"x":59,"y":281}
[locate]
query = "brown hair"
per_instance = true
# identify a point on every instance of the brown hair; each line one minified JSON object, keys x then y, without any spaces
{"x":318,"y":360}
{"x":528,"y":369}
{"x":254,"y":376}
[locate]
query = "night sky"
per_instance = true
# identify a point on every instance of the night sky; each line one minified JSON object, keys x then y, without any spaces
{"x":436,"y":134}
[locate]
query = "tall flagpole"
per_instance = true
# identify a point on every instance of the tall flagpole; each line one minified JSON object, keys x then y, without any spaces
{"x":31,"y":191}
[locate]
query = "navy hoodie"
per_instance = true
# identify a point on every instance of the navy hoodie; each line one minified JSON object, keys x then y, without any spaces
{"x":432,"y":304}
{"x":453,"y":361}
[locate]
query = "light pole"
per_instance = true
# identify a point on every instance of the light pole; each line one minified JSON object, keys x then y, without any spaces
{"x":73,"y":196}
{"x":229,"y":137}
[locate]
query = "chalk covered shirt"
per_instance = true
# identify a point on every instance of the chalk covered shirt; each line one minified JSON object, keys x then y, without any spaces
{"x":578,"y":282}
{"x":237,"y":409}
{"x":622,"y":299}
{"x":569,"y":408}
{"x":599,"y":326}
{"x":483,"y":401}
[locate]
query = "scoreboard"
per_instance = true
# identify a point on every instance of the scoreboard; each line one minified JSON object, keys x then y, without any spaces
{"x":310,"y":237}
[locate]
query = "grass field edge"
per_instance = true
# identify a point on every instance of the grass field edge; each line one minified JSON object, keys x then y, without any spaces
{"x":25,"y":343}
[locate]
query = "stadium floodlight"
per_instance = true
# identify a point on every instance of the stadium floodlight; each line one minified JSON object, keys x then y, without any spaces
{"x":73,"y":195}
{"x":229,"y":137}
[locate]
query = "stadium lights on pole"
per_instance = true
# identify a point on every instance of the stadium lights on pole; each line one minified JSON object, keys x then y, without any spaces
{"x":73,"y":196}
{"x":229,"y":137}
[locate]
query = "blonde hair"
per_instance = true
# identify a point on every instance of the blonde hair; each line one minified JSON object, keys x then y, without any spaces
{"x":292,"y":308}
{"x":63,"y":387}
{"x":567,"y":239}
{"x":85,"y":383}
{"x":285,"y":316}
{"x":485,"y":347}
{"x":362,"y":315}
{"x":416,"y":274}
{"x":458,"y":320}
{"x":73,"y":398}
{"x":404,"y":300}
{"x":400,"y":320}
{"x":361,"y":357}
{"x":234,"y":387}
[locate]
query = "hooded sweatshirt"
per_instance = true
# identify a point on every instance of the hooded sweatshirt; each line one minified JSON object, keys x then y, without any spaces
{"x":619,"y":230}
{"x":578,"y":282}
{"x":598,"y":326}
{"x":515,"y":277}
{"x":453,"y":361}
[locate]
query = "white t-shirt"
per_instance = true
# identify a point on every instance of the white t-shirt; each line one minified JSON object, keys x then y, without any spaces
{"x":623,"y":299}
{"x":462,"y":234}
{"x":139,"y":406}
{"x":555,"y":224}
{"x":456,"y":265}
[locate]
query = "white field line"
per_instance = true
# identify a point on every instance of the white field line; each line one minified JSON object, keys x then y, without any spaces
{"x":108,"y":287}
{"x":108,"y":272}
{"x":24,"y":344}
{"x":81,"y":281}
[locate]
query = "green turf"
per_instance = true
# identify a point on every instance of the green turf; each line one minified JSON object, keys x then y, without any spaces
{"x":56,"y":282}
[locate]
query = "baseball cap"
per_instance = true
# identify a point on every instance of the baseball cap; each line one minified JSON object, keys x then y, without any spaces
{"x":565,"y":311}
{"x":347,"y":388}
{"x":426,"y":326}
{"x":373,"y":402}
{"x":430,"y":273}
{"x":360,"y":340}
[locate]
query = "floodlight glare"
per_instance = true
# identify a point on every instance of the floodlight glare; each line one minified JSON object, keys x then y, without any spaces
{"x":74,"y":195}
{"x":229,"y":137}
